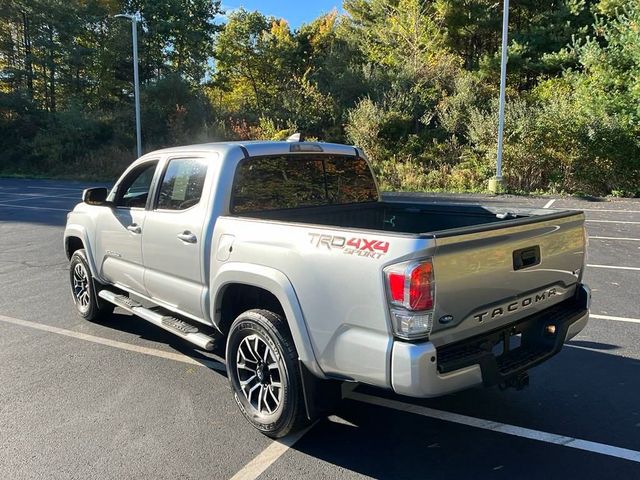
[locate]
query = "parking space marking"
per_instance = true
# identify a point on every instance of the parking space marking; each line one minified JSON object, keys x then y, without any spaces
{"x":616,"y":238}
{"x":616,"y":319}
{"x":34,"y":208}
{"x":178,"y":357}
{"x":552,"y":438}
{"x":58,"y":188}
{"x":612,"y":221}
{"x":279,"y":447}
{"x":549,"y":203}
{"x":269,"y":456}
{"x":614,"y":267}
{"x":608,"y":210}
{"x":250,"y":471}
{"x":38,"y":196}
{"x":34,"y":194}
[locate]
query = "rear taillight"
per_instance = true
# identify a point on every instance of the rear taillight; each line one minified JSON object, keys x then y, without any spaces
{"x":420,"y":291}
{"x":410,"y":287}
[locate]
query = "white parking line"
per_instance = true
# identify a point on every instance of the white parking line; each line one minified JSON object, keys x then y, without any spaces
{"x":178,"y":357}
{"x":59,"y":188}
{"x":268,"y":456}
{"x":250,"y":471}
{"x":610,"y":210}
{"x":40,"y":196}
{"x":34,"y":208}
{"x":571,"y":442}
{"x":549,"y":203}
{"x":614,"y":267}
{"x":611,"y":221}
{"x":616,"y":319}
{"x":35,"y":194}
{"x":279,"y":447}
{"x":615,"y":238}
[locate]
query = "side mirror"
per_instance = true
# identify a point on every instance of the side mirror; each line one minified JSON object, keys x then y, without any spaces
{"x":95,"y":196}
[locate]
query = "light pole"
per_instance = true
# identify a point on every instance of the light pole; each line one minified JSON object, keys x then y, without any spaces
{"x":495,"y":185}
{"x":136,"y":82}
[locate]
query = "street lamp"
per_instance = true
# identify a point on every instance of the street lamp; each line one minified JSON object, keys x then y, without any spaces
{"x":495,"y":185}
{"x":136,"y":83}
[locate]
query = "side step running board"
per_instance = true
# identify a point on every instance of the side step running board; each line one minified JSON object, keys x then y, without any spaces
{"x":171,"y":324}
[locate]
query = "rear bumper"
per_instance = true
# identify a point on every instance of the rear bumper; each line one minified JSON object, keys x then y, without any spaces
{"x":422,"y":370}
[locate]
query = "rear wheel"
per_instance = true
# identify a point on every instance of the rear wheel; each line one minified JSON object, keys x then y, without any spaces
{"x":262,"y":364}
{"x":84,"y":289}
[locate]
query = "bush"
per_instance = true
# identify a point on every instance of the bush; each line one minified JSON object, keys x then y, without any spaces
{"x":526,"y":167}
{"x":61,"y":139}
{"x":364,"y":124}
{"x":105,"y":163}
{"x":173,"y":112}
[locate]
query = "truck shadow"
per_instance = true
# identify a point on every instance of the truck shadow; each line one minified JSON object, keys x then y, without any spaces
{"x":586,"y":394}
{"x":125,"y":322}
{"x":580,"y":393}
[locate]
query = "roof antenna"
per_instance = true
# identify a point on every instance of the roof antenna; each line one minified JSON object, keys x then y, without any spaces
{"x":296,"y":137}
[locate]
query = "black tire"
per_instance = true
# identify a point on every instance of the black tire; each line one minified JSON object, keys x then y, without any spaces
{"x":85,"y":293}
{"x":261,"y":329}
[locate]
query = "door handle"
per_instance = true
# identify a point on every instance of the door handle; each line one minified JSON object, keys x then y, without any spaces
{"x":135,"y":228}
{"x":188,"y":237}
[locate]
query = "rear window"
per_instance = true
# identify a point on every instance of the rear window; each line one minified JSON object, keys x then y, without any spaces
{"x":290,"y":181}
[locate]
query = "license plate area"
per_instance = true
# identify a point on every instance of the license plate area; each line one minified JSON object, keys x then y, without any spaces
{"x":509,"y":342}
{"x":536,"y":342}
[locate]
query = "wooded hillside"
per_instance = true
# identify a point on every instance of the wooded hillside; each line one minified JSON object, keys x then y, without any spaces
{"x":413,"y":82}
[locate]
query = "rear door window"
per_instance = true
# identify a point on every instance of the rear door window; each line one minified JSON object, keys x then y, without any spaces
{"x":182,"y":184}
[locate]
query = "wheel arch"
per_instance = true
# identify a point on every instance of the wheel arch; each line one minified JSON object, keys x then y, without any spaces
{"x":72,"y":244}
{"x":237,"y":298}
{"x":268,"y":286}
{"x":75,"y":238}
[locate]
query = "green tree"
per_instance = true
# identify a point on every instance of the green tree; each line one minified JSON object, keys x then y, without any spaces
{"x":332,"y":59}
{"x":242,"y":54}
{"x":404,"y":35}
{"x":260,"y":72}
{"x":603,"y":95}
{"x":177,"y":35}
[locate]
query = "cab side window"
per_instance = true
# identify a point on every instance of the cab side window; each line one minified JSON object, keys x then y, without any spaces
{"x":182,"y":184}
{"x":133,"y":190}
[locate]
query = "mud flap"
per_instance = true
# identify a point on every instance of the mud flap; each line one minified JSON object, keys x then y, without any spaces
{"x":320,"y":396}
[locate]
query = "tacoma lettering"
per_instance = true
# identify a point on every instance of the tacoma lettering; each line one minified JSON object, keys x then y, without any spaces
{"x":521,"y":304}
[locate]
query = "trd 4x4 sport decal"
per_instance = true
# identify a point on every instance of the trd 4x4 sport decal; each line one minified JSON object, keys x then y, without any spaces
{"x":362,"y":247}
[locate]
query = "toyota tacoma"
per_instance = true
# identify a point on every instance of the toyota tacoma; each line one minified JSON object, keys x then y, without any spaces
{"x":285,"y":256}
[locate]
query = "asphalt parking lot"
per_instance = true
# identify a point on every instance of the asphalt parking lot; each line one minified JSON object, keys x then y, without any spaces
{"x":123,"y":399}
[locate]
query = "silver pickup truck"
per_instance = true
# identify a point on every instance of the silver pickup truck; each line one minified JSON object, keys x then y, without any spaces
{"x":286,"y":255}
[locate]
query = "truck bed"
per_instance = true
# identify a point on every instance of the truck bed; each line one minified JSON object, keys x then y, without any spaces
{"x":399,"y":217}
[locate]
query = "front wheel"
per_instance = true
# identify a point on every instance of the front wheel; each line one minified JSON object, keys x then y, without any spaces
{"x":84,"y":289}
{"x":263,"y":370}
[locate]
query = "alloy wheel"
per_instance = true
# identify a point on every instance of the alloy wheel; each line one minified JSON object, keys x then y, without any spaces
{"x":259,"y":375}
{"x":81,"y":289}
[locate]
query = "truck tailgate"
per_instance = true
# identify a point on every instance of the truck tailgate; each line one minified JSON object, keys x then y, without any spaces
{"x":495,"y":276}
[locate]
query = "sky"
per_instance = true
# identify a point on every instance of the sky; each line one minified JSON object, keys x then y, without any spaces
{"x":296,"y":12}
